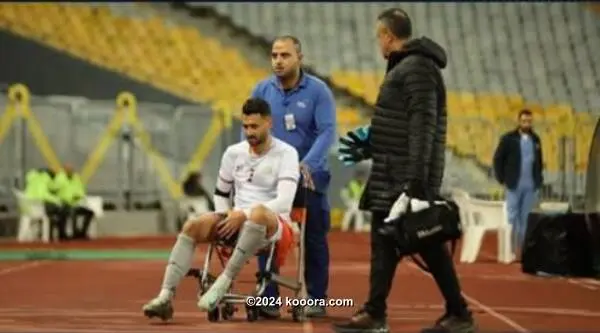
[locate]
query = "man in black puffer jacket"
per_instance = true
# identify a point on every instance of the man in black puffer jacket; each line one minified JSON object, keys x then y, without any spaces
{"x":406,"y":141}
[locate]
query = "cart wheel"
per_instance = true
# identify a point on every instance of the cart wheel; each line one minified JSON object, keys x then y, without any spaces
{"x":227,"y":311}
{"x":251,"y":313}
{"x":213,"y":316}
{"x":298,"y":314}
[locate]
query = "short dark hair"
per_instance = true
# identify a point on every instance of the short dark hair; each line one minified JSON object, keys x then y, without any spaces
{"x":525,"y":112}
{"x":256,"y":106}
{"x":295,"y":40}
{"x":397,"y":21}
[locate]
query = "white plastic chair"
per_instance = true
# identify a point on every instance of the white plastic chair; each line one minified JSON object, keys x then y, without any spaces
{"x":352,"y":213}
{"x":31,"y":211}
{"x":481,"y":216}
{"x":96,"y":205}
{"x":461,"y":198}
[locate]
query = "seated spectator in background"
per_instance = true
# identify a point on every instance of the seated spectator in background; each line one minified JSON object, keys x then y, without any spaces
{"x":71,"y":191}
{"x":39,"y":186}
{"x":192,"y":187}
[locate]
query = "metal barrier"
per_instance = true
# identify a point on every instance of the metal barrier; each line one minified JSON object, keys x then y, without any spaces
{"x":565,"y":148}
{"x":128,"y":152}
{"x":141,"y":152}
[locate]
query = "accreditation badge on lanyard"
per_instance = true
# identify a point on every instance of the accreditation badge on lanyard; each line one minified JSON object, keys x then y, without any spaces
{"x":290,"y":121}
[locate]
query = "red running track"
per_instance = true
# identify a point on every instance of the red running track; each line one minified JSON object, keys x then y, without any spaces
{"x":106,"y":296}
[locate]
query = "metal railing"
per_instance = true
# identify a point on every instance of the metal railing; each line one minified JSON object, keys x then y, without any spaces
{"x":139,"y":153}
{"x":128,"y":152}
{"x":565,"y":148}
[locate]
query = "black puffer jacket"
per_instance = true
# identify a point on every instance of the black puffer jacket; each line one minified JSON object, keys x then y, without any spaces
{"x":408,"y":129}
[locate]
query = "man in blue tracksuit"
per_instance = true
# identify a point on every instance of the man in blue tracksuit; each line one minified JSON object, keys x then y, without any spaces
{"x":518,"y":165}
{"x":304,"y":116}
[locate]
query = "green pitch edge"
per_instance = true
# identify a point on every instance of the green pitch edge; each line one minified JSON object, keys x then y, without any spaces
{"x":83,"y":255}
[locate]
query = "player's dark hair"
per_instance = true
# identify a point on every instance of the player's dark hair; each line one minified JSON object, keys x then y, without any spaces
{"x":524,"y":112}
{"x":256,"y":106}
{"x":397,"y":21}
{"x":295,"y":40}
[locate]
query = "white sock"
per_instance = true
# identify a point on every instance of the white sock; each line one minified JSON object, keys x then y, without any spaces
{"x":252,"y":238}
{"x":179,"y":264}
{"x":166,"y":294}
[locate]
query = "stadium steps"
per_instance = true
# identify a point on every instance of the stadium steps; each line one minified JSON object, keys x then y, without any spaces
{"x":487,"y":116}
{"x":215,"y":27}
{"x":473,"y":44}
{"x":244,"y":37}
{"x":497,"y":47}
{"x":113,"y":42}
{"x":145,"y":48}
{"x":179,"y":59}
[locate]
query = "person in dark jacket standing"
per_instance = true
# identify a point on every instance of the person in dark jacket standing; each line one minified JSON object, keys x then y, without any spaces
{"x":518,"y":166}
{"x":406,"y":142}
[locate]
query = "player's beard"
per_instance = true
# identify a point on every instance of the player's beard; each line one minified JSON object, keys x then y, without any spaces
{"x":256,"y":141}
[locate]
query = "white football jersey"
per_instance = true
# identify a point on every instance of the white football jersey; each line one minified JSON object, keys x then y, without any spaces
{"x":256,"y":178}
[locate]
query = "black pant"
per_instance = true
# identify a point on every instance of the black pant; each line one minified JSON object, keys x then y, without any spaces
{"x":80,"y":231}
{"x":58,"y":215}
{"x":383,"y":268}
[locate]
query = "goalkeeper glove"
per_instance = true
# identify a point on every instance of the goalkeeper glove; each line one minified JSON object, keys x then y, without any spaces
{"x":355,"y":147}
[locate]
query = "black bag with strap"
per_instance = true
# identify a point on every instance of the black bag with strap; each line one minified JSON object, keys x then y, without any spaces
{"x":413,"y":231}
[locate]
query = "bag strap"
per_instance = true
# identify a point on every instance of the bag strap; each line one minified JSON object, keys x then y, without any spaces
{"x":424,"y":267}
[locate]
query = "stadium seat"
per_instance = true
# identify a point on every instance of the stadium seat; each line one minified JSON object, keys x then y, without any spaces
{"x":490,"y":75}
{"x":486,"y":56}
{"x":178,"y":59}
{"x":348,"y":119}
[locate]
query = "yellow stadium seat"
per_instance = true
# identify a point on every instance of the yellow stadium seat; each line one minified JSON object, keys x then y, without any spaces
{"x":550,"y":149}
{"x":453,"y":104}
{"x":476,"y":121}
{"x":468,"y":100}
{"x":583,"y":141}
{"x":494,"y":104}
{"x":181,"y":60}
{"x":515,"y":101}
{"x":348,"y":119}
{"x":178,"y":59}
{"x":363,"y":84}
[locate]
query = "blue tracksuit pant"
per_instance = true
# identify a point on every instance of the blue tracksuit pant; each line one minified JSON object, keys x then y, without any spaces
{"x":316,"y":249}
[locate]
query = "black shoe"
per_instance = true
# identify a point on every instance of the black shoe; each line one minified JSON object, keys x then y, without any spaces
{"x":362,"y":322}
{"x":449,"y":323}
{"x":269,"y":312}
